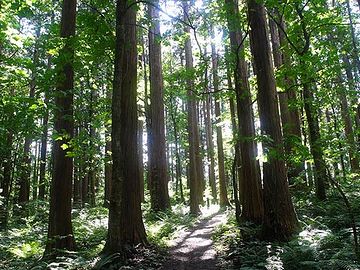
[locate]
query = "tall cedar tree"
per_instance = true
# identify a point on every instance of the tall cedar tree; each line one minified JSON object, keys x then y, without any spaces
{"x":60,"y":233}
{"x":193,"y":127}
{"x":219,"y":138}
{"x":312,"y":115}
{"x":24,"y":181}
{"x":126,"y":226}
{"x":158,"y":175}
{"x":250,"y":187}
{"x":210,"y":144}
{"x":6,"y":181}
{"x":290,"y":117}
{"x":280,"y":219}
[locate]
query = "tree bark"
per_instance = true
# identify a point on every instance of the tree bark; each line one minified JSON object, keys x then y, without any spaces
{"x":126,"y":226}
{"x":280,"y":219}
{"x":141,"y":158}
{"x":224,"y":201}
{"x":179,"y":184}
{"x":349,"y":131}
{"x":24,"y":182}
{"x":158,"y":174}
{"x":210,"y":147}
{"x":353,"y":37}
{"x":108,"y":169}
{"x":290,"y":117}
{"x":92,"y":166}
{"x":316,"y":150}
{"x":43,"y":152}
{"x":250,"y":187}
{"x":193,"y":127}
{"x":6,"y":182}
{"x":60,"y":233}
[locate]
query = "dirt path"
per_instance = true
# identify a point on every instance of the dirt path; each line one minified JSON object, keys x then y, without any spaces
{"x":193,"y":249}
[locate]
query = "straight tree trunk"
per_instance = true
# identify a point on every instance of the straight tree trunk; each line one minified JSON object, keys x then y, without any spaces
{"x":60,"y":233}
{"x":6,"y":182}
{"x":294,"y":125}
{"x":92,"y":167}
{"x":141,"y":158}
{"x":290,"y":117}
{"x":158,"y":174}
{"x":24,"y":183}
{"x":280,"y":219}
{"x":224,"y":201}
{"x":210,"y":147}
{"x":125,"y":225}
{"x":35,"y":179}
{"x":236,"y":167}
{"x":43,"y":152}
{"x":193,"y":126}
{"x":349,"y":131}
{"x":235,"y":132}
{"x":108,"y":157}
{"x":108,"y":169}
{"x":173,"y":112}
{"x":77,"y":195}
{"x":320,"y":174}
{"x":250,"y":187}
{"x":355,"y":52}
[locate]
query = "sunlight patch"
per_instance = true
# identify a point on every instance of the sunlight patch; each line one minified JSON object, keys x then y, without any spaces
{"x":274,"y":262}
{"x":313,"y":237}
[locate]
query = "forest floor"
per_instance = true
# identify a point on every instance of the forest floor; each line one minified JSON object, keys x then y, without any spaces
{"x":193,"y":248}
{"x":324,"y":240}
{"x":180,"y":241}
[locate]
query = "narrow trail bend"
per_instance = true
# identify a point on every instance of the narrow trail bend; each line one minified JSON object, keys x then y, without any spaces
{"x":193,"y":249}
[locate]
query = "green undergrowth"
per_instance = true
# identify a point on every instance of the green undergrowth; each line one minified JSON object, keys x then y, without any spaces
{"x":22,"y":245}
{"x":324,"y":241}
{"x":161,"y":227}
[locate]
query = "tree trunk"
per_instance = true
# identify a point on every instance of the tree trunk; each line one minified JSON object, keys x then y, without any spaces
{"x":35,"y":183}
{"x":173,"y":112}
{"x":108,"y":157}
{"x":84,"y":184}
{"x":290,"y":117}
{"x":77,"y":195}
{"x":280,"y":219}
{"x":210,"y":147}
{"x":224,"y":201}
{"x":92,"y":166}
{"x":158,"y":174}
{"x":126,"y":226}
{"x":236,"y":170}
{"x":193,"y":127}
{"x":141,"y":158}
{"x":108,"y":169}
{"x":43,"y":152}
{"x":250,"y":187}
{"x":24,"y":182}
{"x":236,"y":165}
{"x":355,"y":52}
{"x":320,"y":174}
{"x":60,"y":233}
{"x":6,"y":182}
{"x":349,"y":131}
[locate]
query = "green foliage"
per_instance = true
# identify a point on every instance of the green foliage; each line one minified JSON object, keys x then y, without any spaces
{"x":162,"y":226}
{"x":324,"y":242}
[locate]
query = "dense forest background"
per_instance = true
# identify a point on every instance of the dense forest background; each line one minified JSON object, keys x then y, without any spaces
{"x":123,"y":122}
